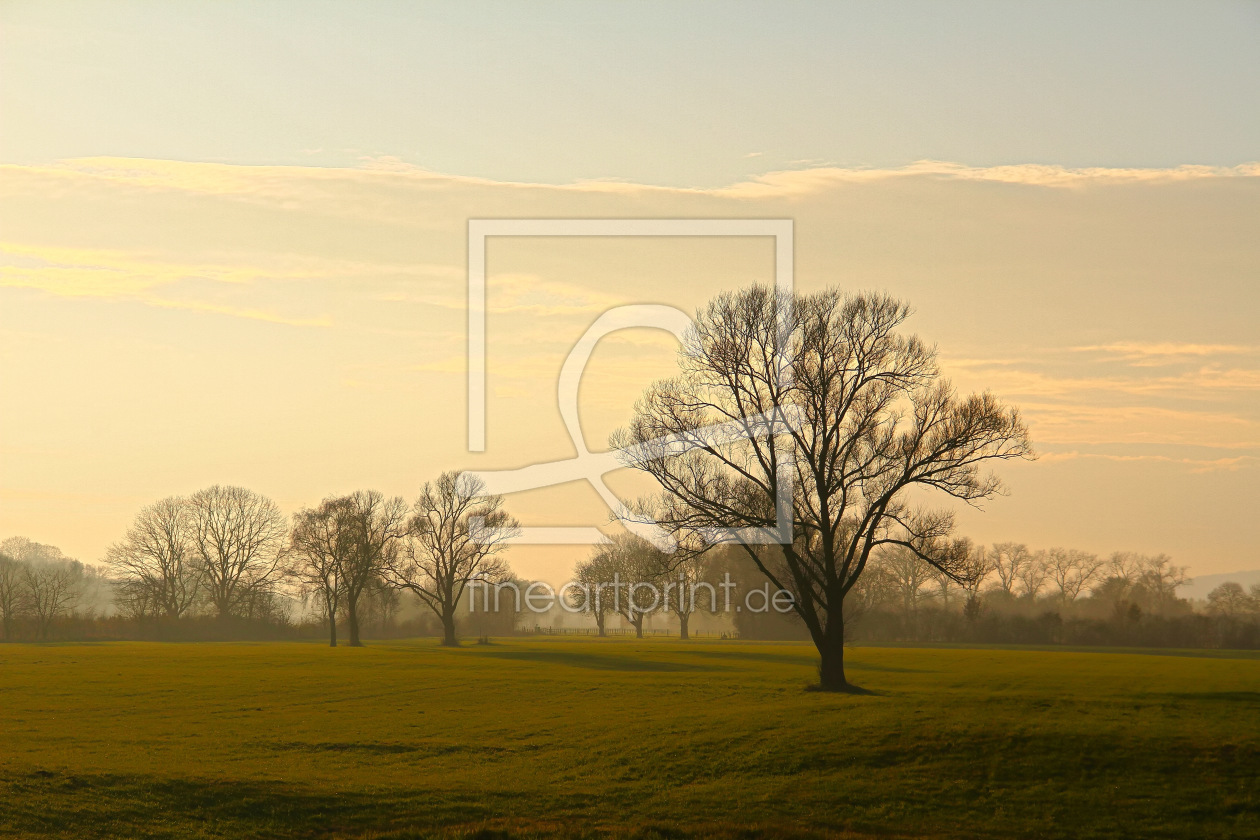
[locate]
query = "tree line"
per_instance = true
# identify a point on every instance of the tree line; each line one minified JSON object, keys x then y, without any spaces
{"x":1052,"y":596}
{"x":230,"y":554}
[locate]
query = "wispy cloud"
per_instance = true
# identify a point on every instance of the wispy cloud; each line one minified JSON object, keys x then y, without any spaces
{"x":1197,"y":465}
{"x":288,"y":184}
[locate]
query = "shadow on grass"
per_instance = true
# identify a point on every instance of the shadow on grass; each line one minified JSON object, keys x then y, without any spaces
{"x":850,"y":689}
{"x":1246,"y":697}
{"x":805,"y":657}
{"x":48,"y":804}
{"x":595,"y":661}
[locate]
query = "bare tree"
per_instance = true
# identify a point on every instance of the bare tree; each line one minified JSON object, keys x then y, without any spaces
{"x":589,"y":595}
{"x":911,"y":580}
{"x":869,"y":423}
{"x":1072,"y":571}
{"x":685,"y":587}
{"x":1032,"y":575}
{"x":52,"y":589}
{"x":1161,"y":580}
{"x":12,"y":592}
{"x":318,"y":545}
{"x":981,"y":564}
{"x":1008,"y":559}
{"x":456,"y":535}
{"x":1231,"y":599}
{"x":375,"y":528}
{"x":154,"y":565}
{"x":238,"y":538}
{"x":638,"y":570}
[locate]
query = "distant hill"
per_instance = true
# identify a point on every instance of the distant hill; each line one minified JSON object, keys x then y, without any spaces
{"x":1203,"y":584}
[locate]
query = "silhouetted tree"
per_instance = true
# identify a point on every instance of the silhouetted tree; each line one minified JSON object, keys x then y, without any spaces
{"x":1008,"y":560}
{"x":870,"y":423}
{"x":239,"y":538}
{"x":1072,"y":571}
{"x":317,"y":544}
{"x":638,"y":570}
{"x":376,"y":529}
{"x":51,"y":591}
{"x":455,"y":535}
{"x":154,"y":565}
{"x":12,"y":602}
{"x":1231,"y":599}
{"x":590,"y":596}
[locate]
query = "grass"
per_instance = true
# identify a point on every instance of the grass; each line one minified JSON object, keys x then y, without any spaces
{"x":591,"y":738}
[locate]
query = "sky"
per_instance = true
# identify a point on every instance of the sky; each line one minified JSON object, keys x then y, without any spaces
{"x":232,"y":239}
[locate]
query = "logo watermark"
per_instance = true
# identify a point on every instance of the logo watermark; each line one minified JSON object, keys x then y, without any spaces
{"x":593,"y":466}
{"x":624,"y":596}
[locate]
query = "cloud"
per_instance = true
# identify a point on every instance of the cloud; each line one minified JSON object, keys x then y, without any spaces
{"x":1164,"y":350}
{"x":794,"y":182}
{"x":1197,"y":465}
{"x":125,"y":275}
{"x":290,"y":184}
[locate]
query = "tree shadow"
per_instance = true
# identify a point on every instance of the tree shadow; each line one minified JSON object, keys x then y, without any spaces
{"x":595,"y":661}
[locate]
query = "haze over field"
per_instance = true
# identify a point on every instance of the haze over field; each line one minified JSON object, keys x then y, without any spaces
{"x":193,"y":289}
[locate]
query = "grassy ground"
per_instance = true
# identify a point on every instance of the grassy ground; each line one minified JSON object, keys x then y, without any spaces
{"x":594,"y":738}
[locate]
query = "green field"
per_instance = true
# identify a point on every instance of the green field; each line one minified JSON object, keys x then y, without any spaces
{"x":617,"y":737}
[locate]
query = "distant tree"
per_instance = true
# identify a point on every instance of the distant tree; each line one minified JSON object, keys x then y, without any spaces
{"x":377,"y":527}
{"x":1160,"y":580}
{"x":590,"y":595}
{"x":12,"y":593}
{"x":380,"y":603}
{"x":686,"y":587}
{"x":1231,"y":599}
{"x":52,"y":590}
{"x":154,"y":566}
{"x":1126,"y":565}
{"x":981,"y":565}
{"x":869,"y":424}
{"x":1008,"y":561}
{"x":456,"y":534}
{"x":638,"y":570}
{"x":238,"y":539}
{"x":318,"y":544}
{"x":911,"y":580}
{"x":1032,"y":575}
{"x":1072,"y":571}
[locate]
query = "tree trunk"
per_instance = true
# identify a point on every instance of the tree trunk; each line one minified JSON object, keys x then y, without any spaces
{"x":831,"y":669}
{"x":448,"y":630}
{"x":683,"y":618}
{"x":332,"y":627}
{"x":599,"y":624}
{"x":352,"y":620}
{"x":638,"y":628}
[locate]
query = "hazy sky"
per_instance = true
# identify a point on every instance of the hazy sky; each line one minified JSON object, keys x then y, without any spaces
{"x":232,"y":239}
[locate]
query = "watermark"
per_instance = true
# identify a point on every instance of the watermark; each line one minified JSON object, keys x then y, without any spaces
{"x":593,"y":466}
{"x":626,"y":597}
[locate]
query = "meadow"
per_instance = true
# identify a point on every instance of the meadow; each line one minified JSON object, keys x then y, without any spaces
{"x":609,"y":738}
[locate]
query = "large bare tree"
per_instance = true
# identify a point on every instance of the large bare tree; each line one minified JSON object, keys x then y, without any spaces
{"x":864,"y":424}
{"x":456,"y":535}
{"x":239,"y":538}
{"x":154,"y":565}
